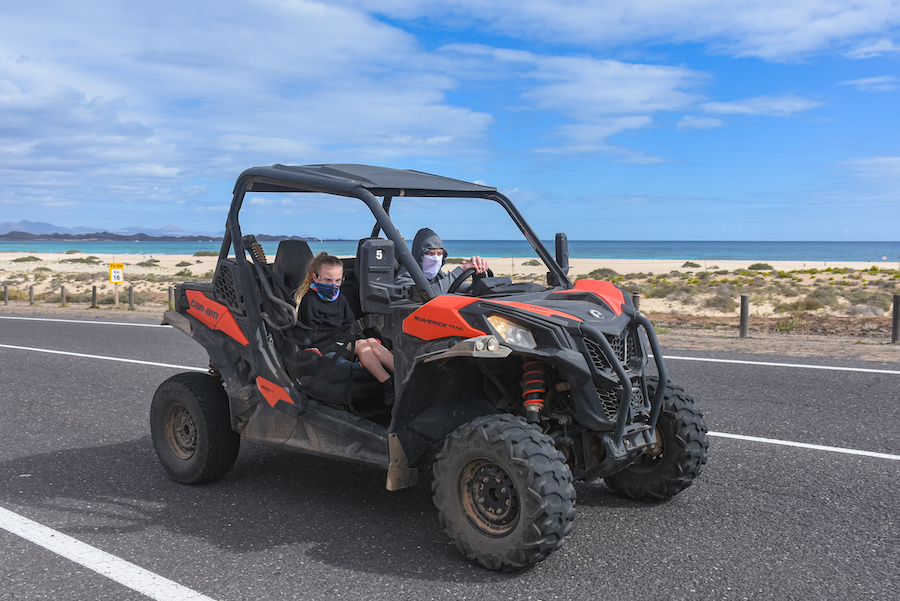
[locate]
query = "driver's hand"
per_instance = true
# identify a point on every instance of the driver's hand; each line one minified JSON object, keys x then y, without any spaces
{"x":479,"y":264}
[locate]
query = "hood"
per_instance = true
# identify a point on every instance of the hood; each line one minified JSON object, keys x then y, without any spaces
{"x":424,"y":241}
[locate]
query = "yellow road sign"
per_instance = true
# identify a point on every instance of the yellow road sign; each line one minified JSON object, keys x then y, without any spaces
{"x":116,"y":273}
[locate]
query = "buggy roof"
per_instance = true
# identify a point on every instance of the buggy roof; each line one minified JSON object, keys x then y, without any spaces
{"x":344,"y":178}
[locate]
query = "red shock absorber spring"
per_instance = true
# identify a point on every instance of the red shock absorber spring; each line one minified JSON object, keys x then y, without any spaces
{"x":534,"y":388}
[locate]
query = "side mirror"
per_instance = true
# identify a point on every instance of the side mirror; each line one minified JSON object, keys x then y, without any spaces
{"x":562,"y":252}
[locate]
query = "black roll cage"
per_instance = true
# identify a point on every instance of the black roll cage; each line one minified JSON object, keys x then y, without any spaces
{"x":366,"y":183}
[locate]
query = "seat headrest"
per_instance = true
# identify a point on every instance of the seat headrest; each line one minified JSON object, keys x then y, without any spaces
{"x":291,"y":261}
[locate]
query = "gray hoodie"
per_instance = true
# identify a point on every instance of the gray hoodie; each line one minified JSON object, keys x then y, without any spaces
{"x":424,"y":241}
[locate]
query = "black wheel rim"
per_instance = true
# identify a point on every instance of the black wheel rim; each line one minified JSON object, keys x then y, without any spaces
{"x":181,"y":432}
{"x":489,"y":497}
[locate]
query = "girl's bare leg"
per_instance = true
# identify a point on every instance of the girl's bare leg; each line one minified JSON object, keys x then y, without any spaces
{"x":371,"y":361}
{"x":385,"y":356}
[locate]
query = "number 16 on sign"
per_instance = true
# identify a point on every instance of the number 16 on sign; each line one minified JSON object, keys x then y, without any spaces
{"x":116,"y":276}
{"x":116,"y":273}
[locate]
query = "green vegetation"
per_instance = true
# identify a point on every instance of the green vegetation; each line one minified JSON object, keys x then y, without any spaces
{"x":604,"y":273}
{"x":91,"y":260}
{"x":25,"y":259}
{"x":790,"y":292}
{"x":206,"y":253}
{"x":789,"y":325}
{"x":690,"y":265}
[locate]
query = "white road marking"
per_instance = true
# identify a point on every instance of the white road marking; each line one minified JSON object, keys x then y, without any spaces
{"x":803,"y":445}
{"x":161,"y":589}
{"x":103,"y":357}
{"x":795,"y":365}
{"x":103,"y":323}
{"x":667,"y":357}
{"x":125,"y":573}
{"x":720,"y":434}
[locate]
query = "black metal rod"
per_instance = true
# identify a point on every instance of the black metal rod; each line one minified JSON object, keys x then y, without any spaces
{"x":745,"y":315}
{"x":895,"y":320}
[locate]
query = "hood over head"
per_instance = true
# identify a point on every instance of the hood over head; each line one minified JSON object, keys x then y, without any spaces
{"x":424,"y":241}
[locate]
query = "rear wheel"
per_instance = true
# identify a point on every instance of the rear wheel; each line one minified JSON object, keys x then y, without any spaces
{"x":191,"y":428}
{"x":504,"y":492}
{"x":678,"y":456}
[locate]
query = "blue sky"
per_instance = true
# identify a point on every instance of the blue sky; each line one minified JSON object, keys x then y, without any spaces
{"x":679,"y":120}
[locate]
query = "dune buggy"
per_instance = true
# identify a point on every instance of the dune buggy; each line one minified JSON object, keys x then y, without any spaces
{"x":506,"y":391}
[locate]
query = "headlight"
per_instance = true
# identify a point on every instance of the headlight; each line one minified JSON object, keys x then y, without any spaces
{"x":511,"y":332}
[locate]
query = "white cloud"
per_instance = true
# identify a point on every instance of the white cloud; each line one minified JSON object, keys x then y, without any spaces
{"x":884,"y":169}
{"x":196,"y":90}
{"x":599,"y":98}
{"x":586,"y":86}
{"x":885,"y":83}
{"x":692,"y":122}
{"x":768,"y":29}
{"x":770,"y":106}
{"x":872,"y":50}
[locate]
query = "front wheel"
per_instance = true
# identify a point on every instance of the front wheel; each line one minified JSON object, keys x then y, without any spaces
{"x":504,"y":492}
{"x":676,"y":459}
{"x":191,"y":428}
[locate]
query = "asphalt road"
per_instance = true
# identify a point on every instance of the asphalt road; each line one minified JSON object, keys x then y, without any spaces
{"x":764,"y":520}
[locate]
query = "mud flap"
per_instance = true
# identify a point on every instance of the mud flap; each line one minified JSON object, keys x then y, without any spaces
{"x":399,"y":475}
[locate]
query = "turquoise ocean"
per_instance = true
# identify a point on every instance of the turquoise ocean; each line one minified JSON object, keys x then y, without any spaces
{"x":584,"y":249}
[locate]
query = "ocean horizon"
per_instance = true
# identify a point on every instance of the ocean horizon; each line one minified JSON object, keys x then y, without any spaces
{"x":582,"y":249}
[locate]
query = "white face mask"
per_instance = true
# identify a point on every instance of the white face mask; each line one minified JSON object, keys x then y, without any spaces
{"x":431,"y":265}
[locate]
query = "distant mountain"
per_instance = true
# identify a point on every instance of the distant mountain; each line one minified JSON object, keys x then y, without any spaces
{"x":16,"y":236}
{"x":41,"y":228}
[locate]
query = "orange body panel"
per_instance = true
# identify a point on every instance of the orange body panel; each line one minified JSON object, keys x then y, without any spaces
{"x":607,"y":292}
{"x":440,"y":318}
{"x":537,"y":309}
{"x":214,"y":315}
{"x":272,"y":392}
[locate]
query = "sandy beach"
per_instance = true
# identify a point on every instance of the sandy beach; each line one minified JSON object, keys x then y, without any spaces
{"x":152,"y":275}
{"x":15,"y":271}
{"x":693,"y":307}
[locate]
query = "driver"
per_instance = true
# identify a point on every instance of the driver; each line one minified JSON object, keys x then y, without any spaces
{"x":430,"y":254}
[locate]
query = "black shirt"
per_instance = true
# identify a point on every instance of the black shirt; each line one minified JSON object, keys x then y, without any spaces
{"x":324,"y":315}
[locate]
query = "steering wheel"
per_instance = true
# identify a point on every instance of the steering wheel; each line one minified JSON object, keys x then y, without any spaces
{"x":464,"y":276}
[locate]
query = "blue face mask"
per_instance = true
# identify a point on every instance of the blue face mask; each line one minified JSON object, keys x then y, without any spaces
{"x":327,"y":292}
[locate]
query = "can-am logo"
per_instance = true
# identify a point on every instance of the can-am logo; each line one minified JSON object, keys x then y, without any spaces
{"x":596,"y":313}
